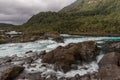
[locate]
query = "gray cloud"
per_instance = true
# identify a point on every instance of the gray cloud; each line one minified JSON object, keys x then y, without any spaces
{"x":19,"y":11}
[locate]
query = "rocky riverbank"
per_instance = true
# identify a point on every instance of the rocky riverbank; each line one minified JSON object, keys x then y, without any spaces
{"x":19,"y":37}
{"x":46,"y":65}
{"x":14,"y":38}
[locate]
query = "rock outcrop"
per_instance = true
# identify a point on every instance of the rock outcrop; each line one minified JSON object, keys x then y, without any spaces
{"x":64,"y":57}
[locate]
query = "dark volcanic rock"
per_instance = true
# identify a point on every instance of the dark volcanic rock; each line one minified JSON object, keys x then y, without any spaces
{"x":64,"y":57}
{"x":9,"y":72}
{"x":110,"y":67}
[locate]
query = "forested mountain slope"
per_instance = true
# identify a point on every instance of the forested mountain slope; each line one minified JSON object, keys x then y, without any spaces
{"x":83,"y":16}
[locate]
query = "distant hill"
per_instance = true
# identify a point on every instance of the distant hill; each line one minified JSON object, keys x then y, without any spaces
{"x":83,"y":16}
{"x":5,"y":25}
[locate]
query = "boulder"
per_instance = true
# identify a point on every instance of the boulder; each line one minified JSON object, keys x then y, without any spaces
{"x":110,"y":58}
{"x":109,"y":67}
{"x":64,"y":57}
{"x":58,"y":39}
{"x":9,"y":72}
{"x":109,"y":72}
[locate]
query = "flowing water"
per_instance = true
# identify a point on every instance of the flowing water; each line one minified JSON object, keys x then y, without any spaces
{"x":48,"y":45}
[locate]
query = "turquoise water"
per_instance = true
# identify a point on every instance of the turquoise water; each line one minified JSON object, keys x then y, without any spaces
{"x":112,"y":38}
{"x":48,"y":45}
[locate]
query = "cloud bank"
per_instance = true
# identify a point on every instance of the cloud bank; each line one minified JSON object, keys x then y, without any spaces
{"x":19,"y":11}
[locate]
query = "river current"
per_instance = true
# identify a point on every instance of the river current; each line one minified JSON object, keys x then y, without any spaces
{"x":19,"y":49}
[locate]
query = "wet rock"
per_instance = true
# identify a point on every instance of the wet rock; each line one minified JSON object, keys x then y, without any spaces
{"x":41,"y":54}
{"x":5,"y":60}
{"x":85,"y":77}
{"x":59,"y":39}
{"x":109,"y":67}
{"x":28,"y":60}
{"x":110,"y":58}
{"x":55,"y":36}
{"x":36,"y":55}
{"x":33,"y":66}
{"x":34,"y":76}
{"x":111,"y":46}
{"x":64,"y":57}
{"x":28,"y":52}
{"x":43,"y":37}
{"x":52,"y":35}
{"x":9,"y":72}
{"x":109,"y":72}
{"x":52,"y":78}
{"x":76,"y":77}
{"x":16,"y":58}
{"x":33,"y":55}
{"x":22,"y":60}
{"x":89,"y":76}
{"x":74,"y":66}
{"x":62,"y":78}
{"x":114,"y":45}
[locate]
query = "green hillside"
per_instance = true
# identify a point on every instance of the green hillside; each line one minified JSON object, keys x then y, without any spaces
{"x":81,"y":17}
{"x":96,"y":6}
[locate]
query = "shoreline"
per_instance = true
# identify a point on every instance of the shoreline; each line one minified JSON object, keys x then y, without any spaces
{"x":97,"y":35}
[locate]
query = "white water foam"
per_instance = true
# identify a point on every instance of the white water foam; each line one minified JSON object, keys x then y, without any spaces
{"x":47,"y":71}
{"x":48,"y":45}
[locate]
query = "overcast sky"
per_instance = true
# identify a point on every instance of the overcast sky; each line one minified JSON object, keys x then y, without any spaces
{"x":19,"y":11}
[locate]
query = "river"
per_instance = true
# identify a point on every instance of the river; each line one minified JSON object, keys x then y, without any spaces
{"x":10,"y":49}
